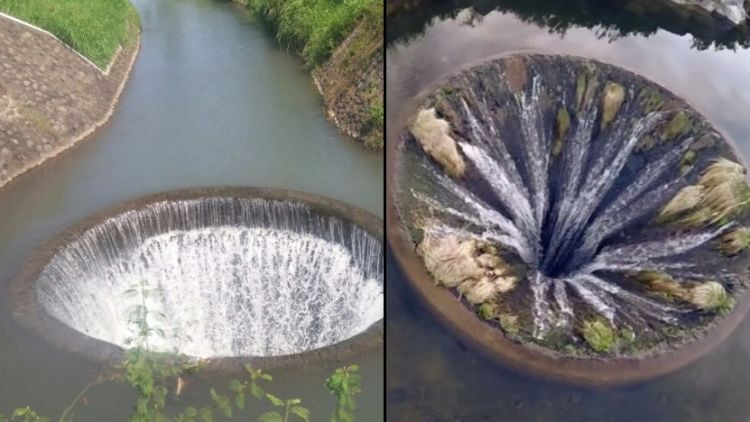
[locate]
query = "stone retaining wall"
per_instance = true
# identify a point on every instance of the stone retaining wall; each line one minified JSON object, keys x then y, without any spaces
{"x":50,"y":96}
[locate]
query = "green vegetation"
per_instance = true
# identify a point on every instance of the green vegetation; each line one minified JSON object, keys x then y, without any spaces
{"x":377,"y":113}
{"x":599,"y":335}
{"x":152,"y":374}
{"x":314,"y":27}
{"x":680,"y":123}
{"x":344,"y":384}
{"x":561,"y":130}
{"x":93,"y":28}
{"x":735,"y":242}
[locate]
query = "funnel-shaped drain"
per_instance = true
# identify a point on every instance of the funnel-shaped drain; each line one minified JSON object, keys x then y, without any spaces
{"x":219,"y":276}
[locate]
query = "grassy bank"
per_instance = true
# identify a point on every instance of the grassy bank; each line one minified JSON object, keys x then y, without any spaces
{"x":341,"y":42}
{"x":94,"y":28}
{"x":315,"y":27}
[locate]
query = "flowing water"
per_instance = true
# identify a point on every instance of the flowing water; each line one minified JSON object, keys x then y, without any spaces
{"x":212,"y":101}
{"x":431,"y":375}
{"x":232,"y":278}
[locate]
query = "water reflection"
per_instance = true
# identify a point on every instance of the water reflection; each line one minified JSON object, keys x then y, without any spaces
{"x":431,"y":375}
{"x":609,"y":19}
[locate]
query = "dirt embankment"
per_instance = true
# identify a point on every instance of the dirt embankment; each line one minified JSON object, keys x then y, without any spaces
{"x":351,"y":83}
{"x":50,"y":96}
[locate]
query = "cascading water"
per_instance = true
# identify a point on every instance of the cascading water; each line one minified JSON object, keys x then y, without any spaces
{"x":575,"y":205}
{"x":219,"y":277}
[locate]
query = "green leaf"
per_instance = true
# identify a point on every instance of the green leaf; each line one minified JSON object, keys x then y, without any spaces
{"x":236,"y":386}
{"x":222,"y":402}
{"x":275,"y":400}
{"x":302,"y":412}
{"x":353,"y":368}
{"x":256,"y":391}
{"x":240,"y":401}
{"x":207,"y":415}
{"x":271,"y":417}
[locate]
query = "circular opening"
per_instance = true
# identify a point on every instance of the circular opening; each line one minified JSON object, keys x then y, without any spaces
{"x":216,"y":276}
{"x":574,"y":207}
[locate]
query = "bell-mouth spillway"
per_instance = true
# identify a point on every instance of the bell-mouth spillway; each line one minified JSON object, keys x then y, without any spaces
{"x":228,"y":275}
{"x":569,"y":217}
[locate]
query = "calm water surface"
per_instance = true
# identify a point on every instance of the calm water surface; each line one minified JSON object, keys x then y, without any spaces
{"x":212,"y":101}
{"x":433,"y":377}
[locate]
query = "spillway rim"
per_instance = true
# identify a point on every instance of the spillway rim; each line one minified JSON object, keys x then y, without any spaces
{"x":29,"y":313}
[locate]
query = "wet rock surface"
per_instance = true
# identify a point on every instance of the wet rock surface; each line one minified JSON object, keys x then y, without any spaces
{"x":50,"y":97}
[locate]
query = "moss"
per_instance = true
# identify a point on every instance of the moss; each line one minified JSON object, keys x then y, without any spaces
{"x":509,"y":323}
{"x":599,"y":335}
{"x":678,"y":125}
{"x":580,"y":89}
{"x":447,"y":91}
{"x":612,"y":99}
{"x":561,"y":129}
{"x":671,"y":331}
{"x":557,"y":338}
{"x":652,"y":100}
{"x":725,"y":306}
{"x":646,"y":143}
{"x":687,"y":162}
{"x":570,"y":350}
{"x":626,"y":336}
{"x":486,"y":311}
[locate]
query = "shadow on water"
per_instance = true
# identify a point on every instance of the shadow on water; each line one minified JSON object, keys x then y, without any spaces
{"x":431,"y":376}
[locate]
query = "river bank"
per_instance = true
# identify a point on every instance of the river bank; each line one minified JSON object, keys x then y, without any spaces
{"x":343,"y":47}
{"x":52,"y":96}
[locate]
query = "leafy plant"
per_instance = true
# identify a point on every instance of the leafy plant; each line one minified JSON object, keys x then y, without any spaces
{"x":344,"y":384}
{"x":148,"y":372}
{"x":24,"y":414}
{"x":152,"y":373}
{"x":291,"y":407}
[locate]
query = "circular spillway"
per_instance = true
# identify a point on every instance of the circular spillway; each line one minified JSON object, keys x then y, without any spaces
{"x":220,"y":274}
{"x":570,"y":217}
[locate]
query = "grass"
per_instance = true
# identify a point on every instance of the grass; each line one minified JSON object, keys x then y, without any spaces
{"x":599,"y":335}
{"x":314,"y":27}
{"x":94,"y":28}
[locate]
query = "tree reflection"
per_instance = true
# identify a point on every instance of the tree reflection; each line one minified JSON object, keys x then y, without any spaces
{"x":609,"y":19}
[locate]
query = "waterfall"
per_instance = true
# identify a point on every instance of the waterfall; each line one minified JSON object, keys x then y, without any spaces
{"x":224,"y":277}
{"x":577,"y":217}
